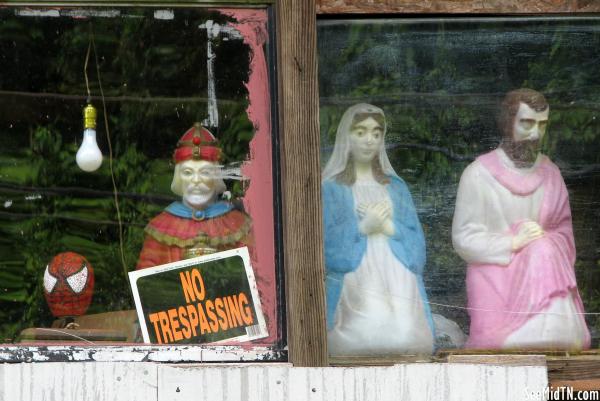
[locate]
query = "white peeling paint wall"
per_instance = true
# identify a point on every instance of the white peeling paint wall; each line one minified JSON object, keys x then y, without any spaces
{"x":97,"y":381}
{"x":111,"y":381}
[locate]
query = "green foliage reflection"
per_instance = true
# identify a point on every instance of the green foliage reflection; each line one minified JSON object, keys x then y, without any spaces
{"x":440,"y":83}
{"x":154,"y":77}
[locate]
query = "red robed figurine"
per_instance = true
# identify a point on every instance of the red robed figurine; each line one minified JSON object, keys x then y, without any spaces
{"x":200,"y":224}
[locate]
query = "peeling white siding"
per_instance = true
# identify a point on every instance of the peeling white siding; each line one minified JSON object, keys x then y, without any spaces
{"x":139,"y":353}
{"x":146,"y":381}
{"x":79,"y":381}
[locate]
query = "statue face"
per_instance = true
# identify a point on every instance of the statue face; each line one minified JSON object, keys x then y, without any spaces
{"x":529,"y":125}
{"x":528,"y":130}
{"x":366,"y":137}
{"x":198,"y":183}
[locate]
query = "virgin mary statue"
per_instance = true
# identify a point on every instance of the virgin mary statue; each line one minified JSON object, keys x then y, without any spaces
{"x":374,"y":246}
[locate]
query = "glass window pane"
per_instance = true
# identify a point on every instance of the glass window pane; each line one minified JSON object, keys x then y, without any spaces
{"x":176,"y":164}
{"x":407,"y":108}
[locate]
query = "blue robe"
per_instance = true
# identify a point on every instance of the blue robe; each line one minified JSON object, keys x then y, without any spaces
{"x":345,"y":245}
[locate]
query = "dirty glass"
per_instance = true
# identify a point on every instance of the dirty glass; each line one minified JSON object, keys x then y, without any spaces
{"x":169,"y":87}
{"x":407,"y":108}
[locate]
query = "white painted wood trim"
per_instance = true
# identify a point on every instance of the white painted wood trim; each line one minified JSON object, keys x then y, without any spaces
{"x":140,"y":353}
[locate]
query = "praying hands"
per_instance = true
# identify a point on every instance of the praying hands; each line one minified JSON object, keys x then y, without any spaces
{"x":375,"y":218}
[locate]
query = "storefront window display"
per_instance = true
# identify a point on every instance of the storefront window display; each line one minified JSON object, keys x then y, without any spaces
{"x":510,"y":254}
{"x":176,"y":161}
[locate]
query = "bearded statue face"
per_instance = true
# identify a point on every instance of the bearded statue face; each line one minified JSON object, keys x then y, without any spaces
{"x":529,"y":125}
{"x":528,"y":130}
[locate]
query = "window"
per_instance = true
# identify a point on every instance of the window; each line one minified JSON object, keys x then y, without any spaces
{"x":436,"y":88}
{"x":153,"y":75}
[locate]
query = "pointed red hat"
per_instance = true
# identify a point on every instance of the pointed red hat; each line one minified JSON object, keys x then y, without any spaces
{"x":197,"y":144}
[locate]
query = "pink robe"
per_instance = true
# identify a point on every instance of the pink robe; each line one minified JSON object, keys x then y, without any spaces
{"x":503,"y":297}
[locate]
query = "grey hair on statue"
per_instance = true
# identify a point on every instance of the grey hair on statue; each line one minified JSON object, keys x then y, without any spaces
{"x":341,"y":151}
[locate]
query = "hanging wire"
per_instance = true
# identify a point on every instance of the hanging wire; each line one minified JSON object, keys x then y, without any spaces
{"x":66,"y":333}
{"x":92,"y":45}
{"x":398,"y":298}
{"x":87,"y":59}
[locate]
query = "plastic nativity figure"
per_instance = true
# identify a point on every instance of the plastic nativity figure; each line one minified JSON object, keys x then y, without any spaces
{"x":201,"y":223}
{"x":374,"y":246}
{"x":512,"y":225}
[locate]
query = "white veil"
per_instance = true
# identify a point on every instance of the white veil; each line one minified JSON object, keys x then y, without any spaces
{"x":339,"y":158}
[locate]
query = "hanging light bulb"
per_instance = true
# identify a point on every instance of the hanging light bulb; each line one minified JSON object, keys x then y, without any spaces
{"x":89,"y":157}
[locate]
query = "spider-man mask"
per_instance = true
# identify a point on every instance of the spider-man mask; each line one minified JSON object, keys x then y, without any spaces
{"x":68,"y":284}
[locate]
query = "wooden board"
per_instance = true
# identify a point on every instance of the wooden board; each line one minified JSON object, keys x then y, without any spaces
{"x":301,"y":184}
{"x":500,"y":360}
{"x":456,"y":6}
{"x":414,"y":382}
{"x":577,"y":385}
{"x":579,"y":367}
{"x":78,"y":381}
{"x":145,"y":381}
{"x":40,"y":334}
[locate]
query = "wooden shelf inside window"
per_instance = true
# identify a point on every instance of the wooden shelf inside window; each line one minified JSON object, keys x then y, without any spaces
{"x":120,"y":326}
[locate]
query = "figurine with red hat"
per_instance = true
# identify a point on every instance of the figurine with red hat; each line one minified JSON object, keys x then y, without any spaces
{"x":200,"y":223}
